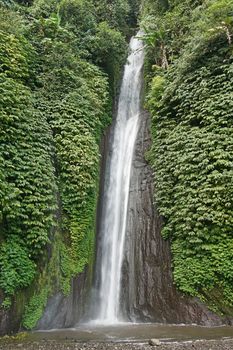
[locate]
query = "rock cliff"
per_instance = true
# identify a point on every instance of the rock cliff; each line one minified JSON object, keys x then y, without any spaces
{"x":148,"y":292}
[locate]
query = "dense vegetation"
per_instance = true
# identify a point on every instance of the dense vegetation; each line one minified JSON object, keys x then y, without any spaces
{"x":190,"y":96}
{"x":60,"y":63}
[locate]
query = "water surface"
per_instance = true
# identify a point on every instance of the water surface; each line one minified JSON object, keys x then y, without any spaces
{"x":128,"y":332}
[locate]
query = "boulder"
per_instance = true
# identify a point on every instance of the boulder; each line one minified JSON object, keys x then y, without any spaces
{"x":154,"y":342}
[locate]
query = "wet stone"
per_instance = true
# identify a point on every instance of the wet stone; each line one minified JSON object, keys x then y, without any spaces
{"x":154,"y":342}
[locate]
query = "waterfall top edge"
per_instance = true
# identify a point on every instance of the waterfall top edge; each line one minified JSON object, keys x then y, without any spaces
{"x":136,"y":43}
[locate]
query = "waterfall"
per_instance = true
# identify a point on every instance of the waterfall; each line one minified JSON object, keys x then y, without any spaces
{"x":129,"y":234}
{"x":116,"y":192}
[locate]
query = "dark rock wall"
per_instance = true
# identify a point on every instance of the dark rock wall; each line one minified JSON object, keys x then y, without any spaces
{"x":66,"y":311}
{"x":148,"y":291}
{"x":9,"y":321}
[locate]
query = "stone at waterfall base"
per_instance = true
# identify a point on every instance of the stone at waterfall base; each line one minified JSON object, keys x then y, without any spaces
{"x":154,"y":342}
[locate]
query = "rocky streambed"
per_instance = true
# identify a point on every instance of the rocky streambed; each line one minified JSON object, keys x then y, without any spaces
{"x":224,"y":344}
{"x":124,"y":336}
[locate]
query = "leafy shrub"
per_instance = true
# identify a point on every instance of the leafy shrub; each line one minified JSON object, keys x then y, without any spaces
{"x":17,"y":270}
{"x":35,"y":308}
{"x":115,"y":13}
{"x":109,"y":51}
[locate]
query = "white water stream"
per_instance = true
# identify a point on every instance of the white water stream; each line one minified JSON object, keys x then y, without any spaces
{"x":114,"y":217}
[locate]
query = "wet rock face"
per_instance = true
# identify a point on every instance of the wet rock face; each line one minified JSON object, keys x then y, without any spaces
{"x":65,"y":311}
{"x":148,"y":292}
{"x":7,"y":323}
{"x":10,"y":319}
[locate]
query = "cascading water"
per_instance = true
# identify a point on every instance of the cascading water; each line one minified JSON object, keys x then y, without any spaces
{"x":116,"y":192}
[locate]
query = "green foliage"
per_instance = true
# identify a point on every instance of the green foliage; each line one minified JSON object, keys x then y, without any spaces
{"x":191,"y":105}
{"x":59,"y":62}
{"x":77,"y":256}
{"x":79,"y":15}
{"x":115,"y":13}
{"x":27,"y":186}
{"x":76,"y":99}
{"x":44,"y":8}
{"x":7,"y":3}
{"x":109,"y":51}
{"x":35,"y":308}
{"x":16,"y":268}
{"x":26,"y":201}
{"x":6,"y":304}
{"x":13,"y":57}
{"x":166,"y":34}
{"x":157,"y":88}
{"x":186,"y":24}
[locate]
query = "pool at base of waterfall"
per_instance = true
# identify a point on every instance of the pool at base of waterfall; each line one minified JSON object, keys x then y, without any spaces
{"x":134,"y":333}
